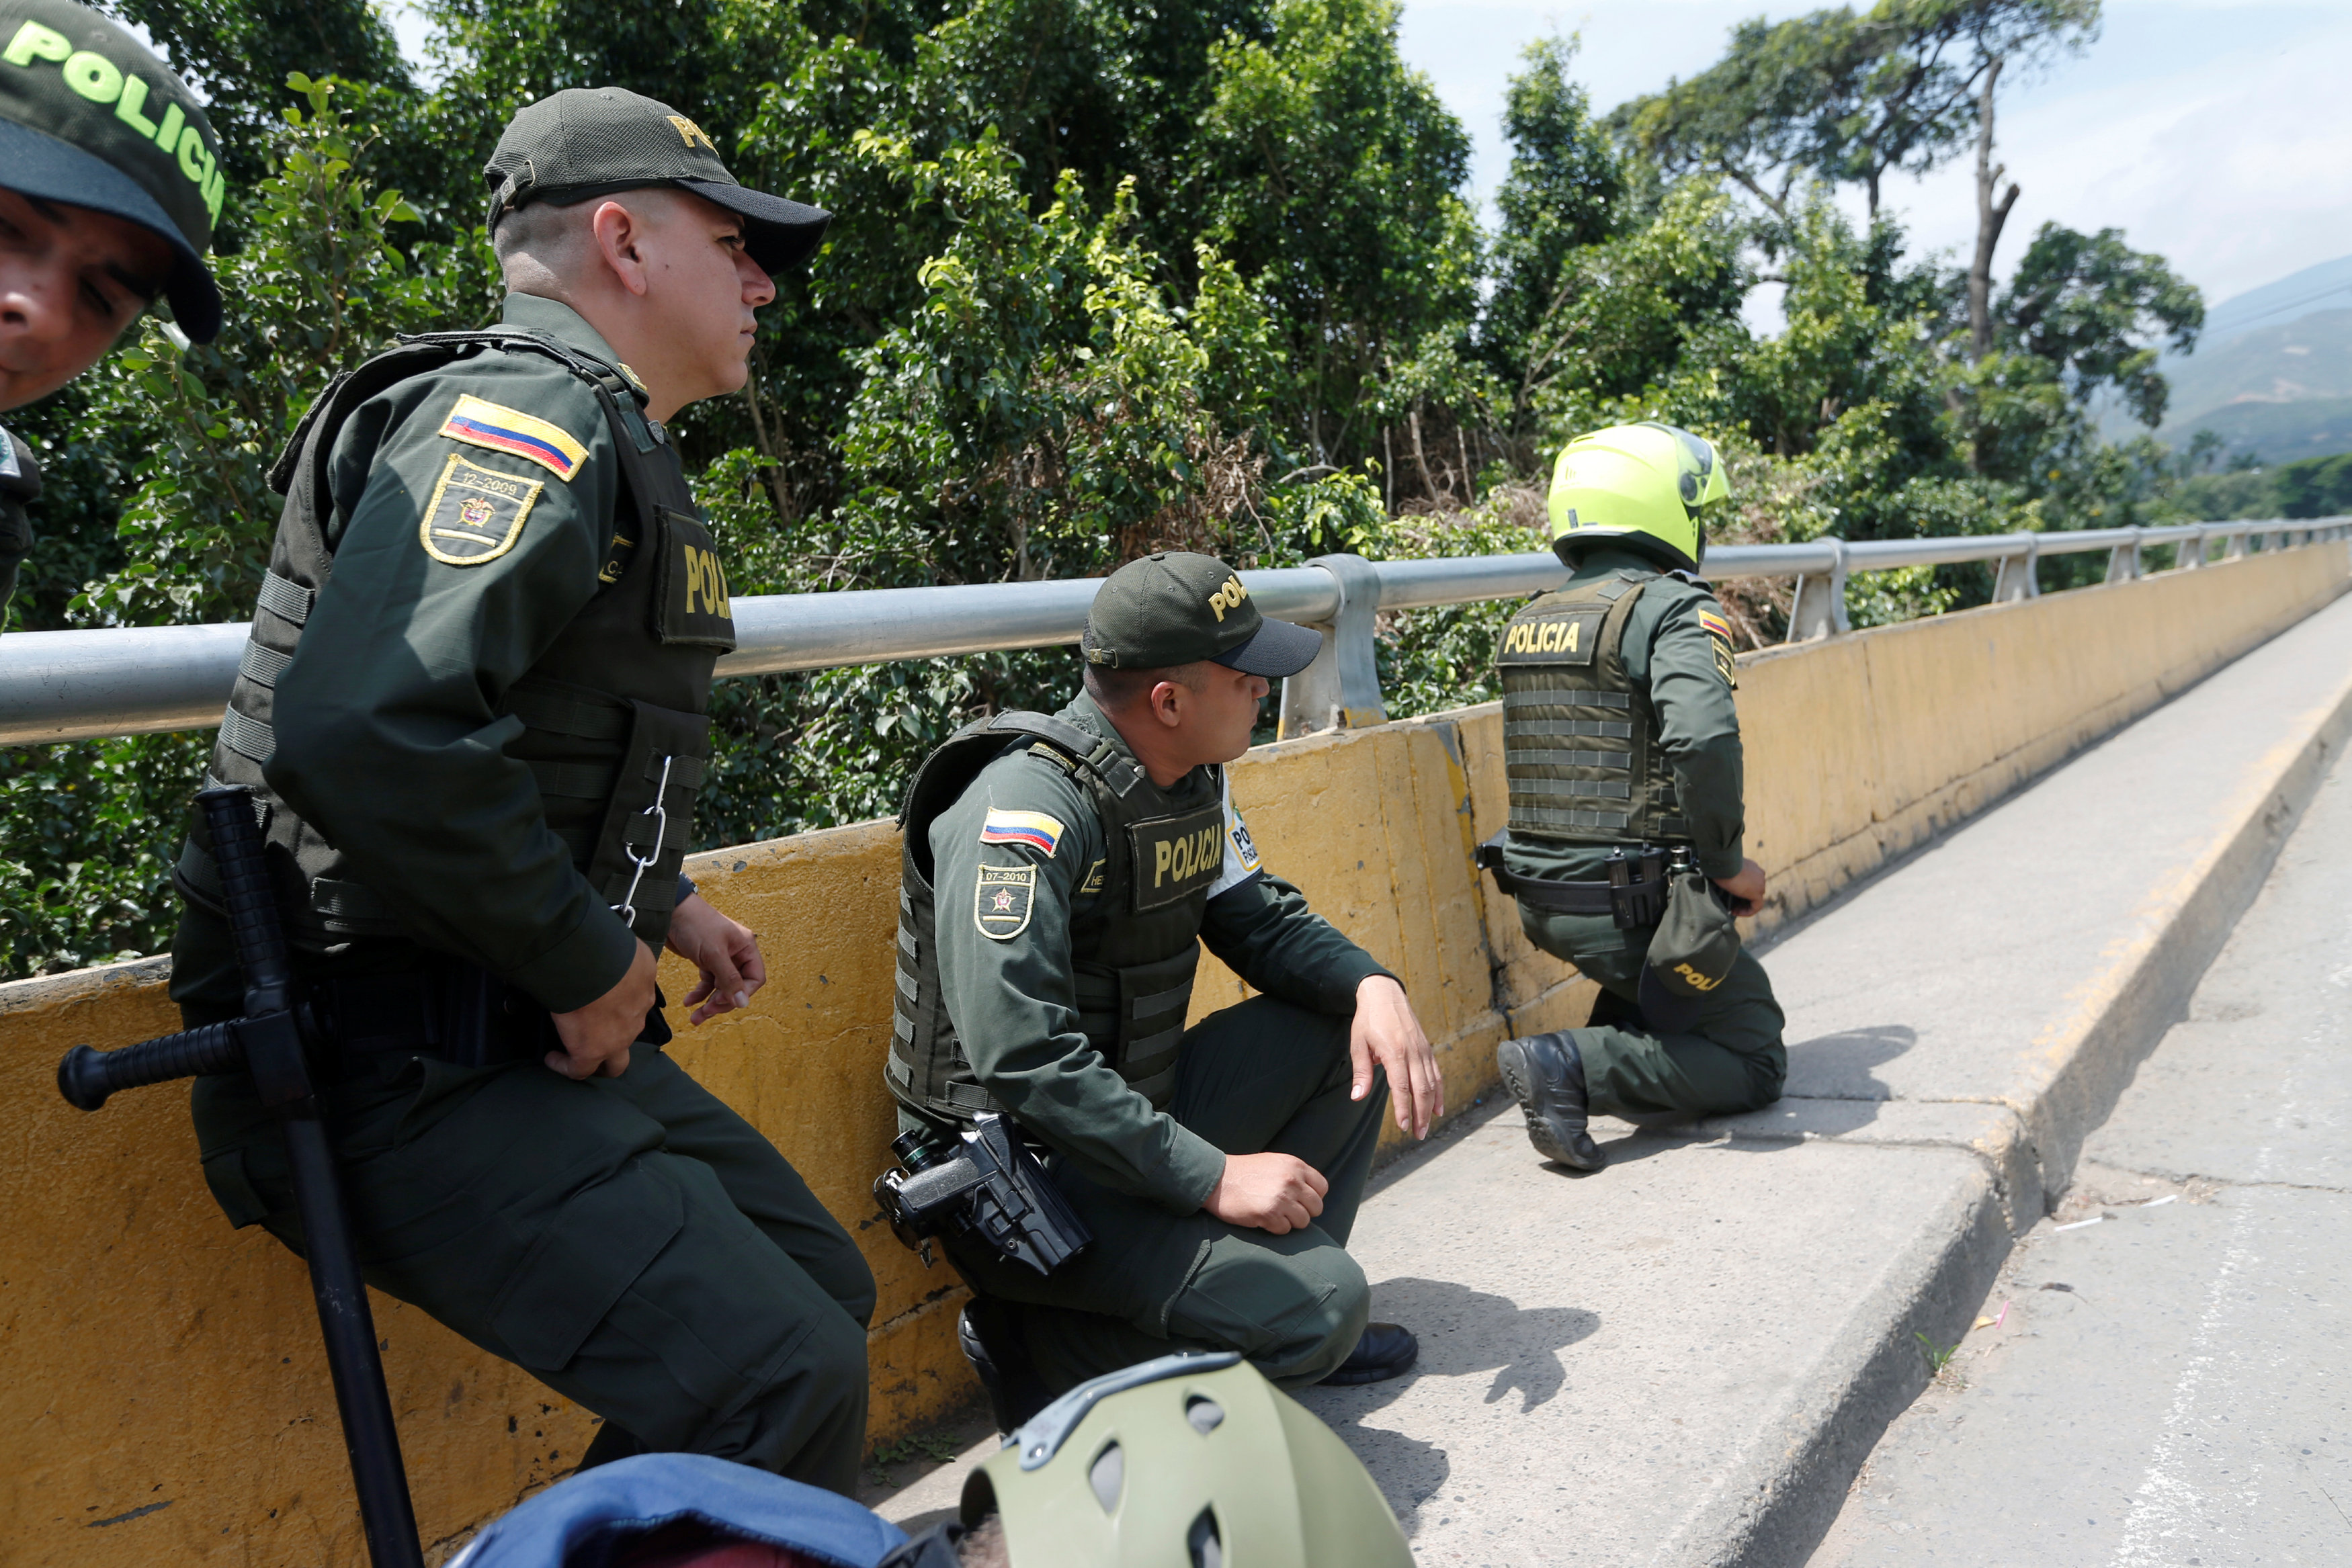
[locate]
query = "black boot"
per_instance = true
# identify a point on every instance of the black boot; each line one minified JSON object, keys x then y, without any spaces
{"x":1384,"y":1351}
{"x":990,"y":1333}
{"x":1546,"y":1075}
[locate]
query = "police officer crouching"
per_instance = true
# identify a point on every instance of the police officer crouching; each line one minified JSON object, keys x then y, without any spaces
{"x":1060,"y":874}
{"x":1622,"y":748}
{"x":473,"y":712}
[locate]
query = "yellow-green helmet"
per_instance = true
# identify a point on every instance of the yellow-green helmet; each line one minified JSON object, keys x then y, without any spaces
{"x":1639,"y":486}
{"x":1189,"y":1462}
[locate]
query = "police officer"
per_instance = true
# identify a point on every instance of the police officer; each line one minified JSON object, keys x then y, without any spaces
{"x":1619,"y":738}
{"x":1059,"y":876}
{"x":109,"y":185}
{"x":473,"y":709}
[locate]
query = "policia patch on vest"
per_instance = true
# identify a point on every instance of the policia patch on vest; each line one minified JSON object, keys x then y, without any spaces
{"x":1003,"y":901}
{"x":1564,"y":639}
{"x":476,"y":514}
{"x":1175,"y":857}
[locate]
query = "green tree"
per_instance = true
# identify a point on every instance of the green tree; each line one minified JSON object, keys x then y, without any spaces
{"x":2096,"y":309}
{"x":1563,"y":190}
{"x":1330,"y":174}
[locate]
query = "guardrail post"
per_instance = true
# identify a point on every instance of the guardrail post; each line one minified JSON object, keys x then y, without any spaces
{"x":2123,"y":561}
{"x":2190,"y":553}
{"x":1341,"y":689}
{"x":1818,"y":609}
{"x":2236,"y":549}
{"x":2016,"y":578}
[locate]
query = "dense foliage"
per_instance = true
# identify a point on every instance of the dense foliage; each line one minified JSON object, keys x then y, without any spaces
{"x":1107,"y":276}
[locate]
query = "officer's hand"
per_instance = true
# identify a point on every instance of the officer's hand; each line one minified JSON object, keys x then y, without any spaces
{"x":724,"y":950}
{"x":596,"y":1037}
{"x":1274,"y":1193}
{"x":1747,"y":889}
{"x":1386,"y":1032}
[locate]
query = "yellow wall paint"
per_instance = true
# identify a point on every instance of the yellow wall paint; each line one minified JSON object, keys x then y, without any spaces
{"x":155,"y":1357}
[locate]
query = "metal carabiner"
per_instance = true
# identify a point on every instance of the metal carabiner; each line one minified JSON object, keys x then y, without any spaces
{"x":659,"y":811}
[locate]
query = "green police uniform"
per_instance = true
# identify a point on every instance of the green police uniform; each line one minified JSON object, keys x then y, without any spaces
{"x":1659,"y":763}
{"x":20,"y":485}
{"x":472,"y":712}
{"x":1030,"y":890}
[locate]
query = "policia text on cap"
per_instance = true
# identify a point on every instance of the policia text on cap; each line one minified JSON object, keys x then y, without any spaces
{"x":1622,"y":748}
{"x":473,"y":714}
{"x":109,"y":184}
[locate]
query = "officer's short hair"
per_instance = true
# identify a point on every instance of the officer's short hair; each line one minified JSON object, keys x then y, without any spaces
{"x":541,"y":231}
{"x":1117,"y":688}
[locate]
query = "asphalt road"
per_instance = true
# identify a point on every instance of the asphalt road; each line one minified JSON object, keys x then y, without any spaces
{"x":2167,"y":1375}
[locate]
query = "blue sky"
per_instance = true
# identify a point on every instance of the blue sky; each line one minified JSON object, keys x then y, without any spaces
{"x":2217,"y":132}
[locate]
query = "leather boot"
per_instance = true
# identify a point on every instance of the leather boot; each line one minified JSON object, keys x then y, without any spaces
{"x":1385,"y":1350}
{"x":1544,"y":1074}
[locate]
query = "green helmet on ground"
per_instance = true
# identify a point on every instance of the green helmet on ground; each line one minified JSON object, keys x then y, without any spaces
{"x":1189,"y":1462}
{"x":1641,"y":487}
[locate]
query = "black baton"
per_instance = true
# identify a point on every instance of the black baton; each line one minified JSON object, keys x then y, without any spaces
{"x":267,"y":1042}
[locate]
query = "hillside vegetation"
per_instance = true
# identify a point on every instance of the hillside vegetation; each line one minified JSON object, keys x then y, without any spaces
{"x":1107,"y":276}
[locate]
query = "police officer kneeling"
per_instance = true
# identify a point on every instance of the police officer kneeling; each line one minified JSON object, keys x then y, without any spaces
{"x":1622,"y":748}
{"x":473,"y":714}
{"x":1060,"y":873}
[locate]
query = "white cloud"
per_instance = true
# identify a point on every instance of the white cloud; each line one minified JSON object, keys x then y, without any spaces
{"x":2217,"y":132}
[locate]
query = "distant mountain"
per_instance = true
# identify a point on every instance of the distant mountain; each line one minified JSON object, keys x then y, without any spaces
{"x":2310,"y":357}
{"x":2328,"y":286}
{"x":2272,"y":373}
{"x":2275,"y":431}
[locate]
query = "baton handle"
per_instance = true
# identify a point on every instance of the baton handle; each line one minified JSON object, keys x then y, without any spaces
{"x":86,"y":1077}
{"x":252,"y":906}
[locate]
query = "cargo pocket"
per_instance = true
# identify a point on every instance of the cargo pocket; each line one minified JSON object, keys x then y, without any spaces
{"x":599,"y":1241}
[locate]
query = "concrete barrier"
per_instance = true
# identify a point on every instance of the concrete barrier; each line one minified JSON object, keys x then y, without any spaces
{"x":165,"y":1396}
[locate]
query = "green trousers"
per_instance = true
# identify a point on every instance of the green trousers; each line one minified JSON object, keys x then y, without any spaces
{"x":1730,"y":1060}
{"x":1263,"y":1076}
{"x":630,"y":1241}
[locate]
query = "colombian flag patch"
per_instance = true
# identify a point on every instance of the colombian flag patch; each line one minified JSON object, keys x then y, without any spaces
{"x":504,"y":429}
{"x":1716,"y":623}
{"x":1036,"y":829}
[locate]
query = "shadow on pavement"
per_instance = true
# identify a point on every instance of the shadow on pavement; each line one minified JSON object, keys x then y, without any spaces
{"x":1840,"y":1066}
{"x":1463,"y":1332}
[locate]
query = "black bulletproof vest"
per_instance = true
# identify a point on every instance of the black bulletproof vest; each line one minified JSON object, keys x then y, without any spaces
{"x":1579,"y":738}
{"x":1132,"y":955}
{"x":613,"y":714}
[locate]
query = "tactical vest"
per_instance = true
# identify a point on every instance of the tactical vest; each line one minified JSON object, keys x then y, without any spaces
{"x":1579,"y":740}
{"x":613,"y":714}
{"x":1132,"y":958}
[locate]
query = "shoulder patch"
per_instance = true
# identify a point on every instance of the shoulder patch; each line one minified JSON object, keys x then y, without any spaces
{"x":502,"y":429}
{"x":1003,"y":899}
{"x":1034,"y":828}
{"x":476,"y":514}
{"x":1053,"y":754}
{"x":1718,"y":639}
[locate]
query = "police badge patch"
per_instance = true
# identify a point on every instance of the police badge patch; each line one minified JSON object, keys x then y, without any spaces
{"x":476,"y":514}
{"x":1003,"y":899}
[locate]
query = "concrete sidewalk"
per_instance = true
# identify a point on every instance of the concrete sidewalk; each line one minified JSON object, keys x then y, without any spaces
{"x":1686,"y":1358}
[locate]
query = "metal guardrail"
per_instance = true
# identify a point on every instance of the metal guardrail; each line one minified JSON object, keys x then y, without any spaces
{"x":73,"y":686}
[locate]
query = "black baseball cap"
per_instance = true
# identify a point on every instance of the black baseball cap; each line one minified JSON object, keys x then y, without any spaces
{"x":589,"y":142}
{"x":90,"y":118}
{"x":1178,"y":608}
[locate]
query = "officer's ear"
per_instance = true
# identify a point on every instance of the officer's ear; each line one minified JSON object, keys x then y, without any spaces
{"x":620,"y":234}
